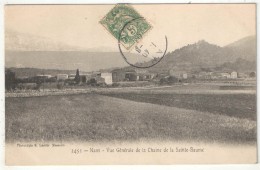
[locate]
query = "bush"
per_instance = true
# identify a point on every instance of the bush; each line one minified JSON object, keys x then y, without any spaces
{"x":115,"y":85}
{"x":27,"y":86}
{"x":169,"y":80}
{"x":92,"y":82}
{"x":38,"y":86}
{"x":60,"y":86}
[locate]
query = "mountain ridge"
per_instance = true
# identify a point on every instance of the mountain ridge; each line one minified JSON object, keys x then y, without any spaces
{"x":15,"y":41}
{"x":194,"y":57}
{"x":189,"y":58}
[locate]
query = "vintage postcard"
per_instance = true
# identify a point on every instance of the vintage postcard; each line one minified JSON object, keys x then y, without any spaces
{"x":130,"y":84}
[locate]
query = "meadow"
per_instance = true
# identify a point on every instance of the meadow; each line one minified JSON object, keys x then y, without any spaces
{"x":132,"y":117}
{"x":233,"y":105}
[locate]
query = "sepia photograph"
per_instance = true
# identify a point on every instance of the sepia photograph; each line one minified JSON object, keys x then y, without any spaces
{"x":130,"y":84}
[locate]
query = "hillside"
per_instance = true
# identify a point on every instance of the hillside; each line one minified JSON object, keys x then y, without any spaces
{"x":203,"y":55}
{"x":244,"y":48}
{"x":240,"y":65}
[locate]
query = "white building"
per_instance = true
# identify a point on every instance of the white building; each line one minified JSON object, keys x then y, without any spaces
{"x":225,"y":75}
{"x":107,"y":77}
{"x":62,"y":76}
{"x":233,"y":75}
{"x":184,"y":75}
{"x":72,"y":76}
{"x":242,"y":75}
{"x":44,"y":76}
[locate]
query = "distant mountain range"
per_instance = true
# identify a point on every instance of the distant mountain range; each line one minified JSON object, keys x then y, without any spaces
{"x":64,"y":60}
{"x":23,"y":51}
{"x":15,"y":41}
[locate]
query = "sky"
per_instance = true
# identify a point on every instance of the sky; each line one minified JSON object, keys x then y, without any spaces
{"x":183,"y":24}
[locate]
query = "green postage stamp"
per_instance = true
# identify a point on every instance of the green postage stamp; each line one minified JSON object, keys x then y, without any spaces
{"x":125,"y":24}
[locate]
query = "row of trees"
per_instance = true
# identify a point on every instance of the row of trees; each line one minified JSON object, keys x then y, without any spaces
{"x":12,"y":82}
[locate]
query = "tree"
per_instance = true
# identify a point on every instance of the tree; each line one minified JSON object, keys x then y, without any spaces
{"x":77,"y":77}
{"x":92,"y":82}
{"x":252,"y":74}
{"x":172,"y":79}
{"x":84,"y":79}
{"x":10,"y":80}
{"x":60,"y":85}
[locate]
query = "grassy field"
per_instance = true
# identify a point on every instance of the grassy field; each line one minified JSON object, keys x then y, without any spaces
{"x":234,"y":105}
{"x":93,"y":117}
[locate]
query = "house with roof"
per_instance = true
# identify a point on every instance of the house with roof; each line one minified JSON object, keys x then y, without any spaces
{"x":225,"y":75}
{"x":233,"y":75}
{"x":62,"y":76}
{"x":107,"y":78}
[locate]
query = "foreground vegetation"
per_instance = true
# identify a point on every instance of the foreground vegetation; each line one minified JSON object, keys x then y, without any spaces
{"x":93,"y":117}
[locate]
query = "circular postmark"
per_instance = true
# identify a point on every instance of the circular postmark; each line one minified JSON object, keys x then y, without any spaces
{"x":144,"y":52}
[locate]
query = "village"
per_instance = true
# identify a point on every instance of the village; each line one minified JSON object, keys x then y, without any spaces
{"x":122,"y":77}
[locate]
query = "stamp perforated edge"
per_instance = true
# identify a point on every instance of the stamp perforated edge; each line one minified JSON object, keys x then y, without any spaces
{"x":118,"y":41}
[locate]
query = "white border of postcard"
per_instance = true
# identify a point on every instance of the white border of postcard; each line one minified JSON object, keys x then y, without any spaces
{"x":2,"y":104}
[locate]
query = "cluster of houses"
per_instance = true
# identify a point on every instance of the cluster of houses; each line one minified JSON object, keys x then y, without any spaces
{"x":226,"y":75}
{"x":108,"y":78}
{"x":212,"y":75}
{"x":98,"y":76}
{"x":120,"y":75}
